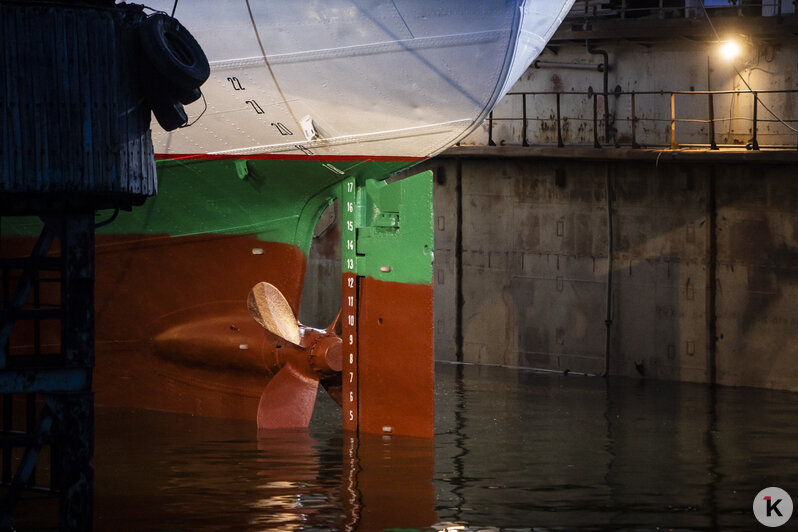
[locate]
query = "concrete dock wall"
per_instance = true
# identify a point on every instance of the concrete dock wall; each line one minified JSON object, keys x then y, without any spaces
{"x":704,"y":264}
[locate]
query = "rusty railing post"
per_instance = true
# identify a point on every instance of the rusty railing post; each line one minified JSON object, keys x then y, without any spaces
{"x":634,"y":123}
{"x":559,"y":125}
{"x":490,"y":130}
{"x":595,"y":120}
{"x":525,"y":141}
{"x":711,"y":110}
{"x":674,"y":144}
{"x":754,"y":142}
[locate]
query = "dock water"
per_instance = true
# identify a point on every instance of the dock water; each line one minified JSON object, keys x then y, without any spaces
{"x":514,"y":450}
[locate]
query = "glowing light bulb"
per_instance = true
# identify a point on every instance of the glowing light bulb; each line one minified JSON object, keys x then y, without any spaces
{"x":730,"y":50}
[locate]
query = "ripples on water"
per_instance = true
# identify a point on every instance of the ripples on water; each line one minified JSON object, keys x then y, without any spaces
{"x":513,"y":450}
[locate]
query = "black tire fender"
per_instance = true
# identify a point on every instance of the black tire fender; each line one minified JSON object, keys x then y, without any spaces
{"x":173,"y":53}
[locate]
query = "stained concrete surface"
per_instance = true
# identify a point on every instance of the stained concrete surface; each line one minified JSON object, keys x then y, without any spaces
{"x":534,"y":265}
{"x":534,"y":255}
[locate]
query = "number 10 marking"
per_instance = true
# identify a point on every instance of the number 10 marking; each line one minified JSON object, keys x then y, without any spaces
{"x":349,"y":270}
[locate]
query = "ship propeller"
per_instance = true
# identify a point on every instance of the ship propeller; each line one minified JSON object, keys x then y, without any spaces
{"x":308,"y":356}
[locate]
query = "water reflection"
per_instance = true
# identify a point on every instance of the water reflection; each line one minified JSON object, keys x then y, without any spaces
{"x":392,"y":476}
{"x":292,"y":487}
{"x":459,"y":440}
{"x":513,"y":450}
{"x":160,"y":471}
{"x":550,"y":451}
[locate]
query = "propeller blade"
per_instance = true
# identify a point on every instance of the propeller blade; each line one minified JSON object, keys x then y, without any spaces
{"x":268,"y":306}
{"x":335,"y":326}
{"x":334,"y":388}
{"x":287,"y":401}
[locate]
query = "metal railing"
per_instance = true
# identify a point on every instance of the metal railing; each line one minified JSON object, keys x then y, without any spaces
{"x":588,"y":10}
{"x":605,"y":131}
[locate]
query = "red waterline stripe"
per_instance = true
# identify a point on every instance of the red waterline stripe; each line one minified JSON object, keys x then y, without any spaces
{"x":286,"y":157}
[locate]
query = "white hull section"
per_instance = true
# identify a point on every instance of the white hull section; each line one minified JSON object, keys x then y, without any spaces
{"x":403,"y":78}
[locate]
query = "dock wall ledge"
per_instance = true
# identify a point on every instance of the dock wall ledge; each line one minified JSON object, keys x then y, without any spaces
{"x":726,"y":155}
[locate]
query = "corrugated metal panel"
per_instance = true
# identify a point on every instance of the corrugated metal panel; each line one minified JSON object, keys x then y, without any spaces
{"x":73,"y":116}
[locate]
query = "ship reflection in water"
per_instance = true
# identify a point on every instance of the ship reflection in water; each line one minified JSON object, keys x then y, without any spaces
{"x":513,"y":449}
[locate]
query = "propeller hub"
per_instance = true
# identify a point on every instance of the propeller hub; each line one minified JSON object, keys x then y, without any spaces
{"x":326,"y":354}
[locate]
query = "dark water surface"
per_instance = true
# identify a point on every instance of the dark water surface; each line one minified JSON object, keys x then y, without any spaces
{"x":513,"y":450}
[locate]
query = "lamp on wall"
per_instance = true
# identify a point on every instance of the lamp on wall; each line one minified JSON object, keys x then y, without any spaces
{"x":739,"y":50}
{"x":730,"y":49}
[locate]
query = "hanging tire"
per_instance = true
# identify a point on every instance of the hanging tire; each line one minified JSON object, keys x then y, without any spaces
{"x":173,"y":53}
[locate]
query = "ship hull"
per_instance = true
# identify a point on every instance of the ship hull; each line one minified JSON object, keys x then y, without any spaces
{"x":191,"y":289}
{"x":405,"y":78}
{"x":302,"y":95}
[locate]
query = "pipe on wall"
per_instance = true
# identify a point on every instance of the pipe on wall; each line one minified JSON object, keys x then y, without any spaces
{"x":563,"y":64}
{"x":610,"y":250}
{"x":606,"y":68}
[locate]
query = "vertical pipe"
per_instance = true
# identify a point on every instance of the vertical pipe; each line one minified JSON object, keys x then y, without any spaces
{"x":711,"y":110}
{"x":458,"y":481}
{"x":595,"y":122}
{"x":712,"y":280}
{"x":634,"y":123}
{"x":715,"y":470}
{"x":674,"y":144}
{"x":606,"y":99}
{"x":661,"y":8}
{"x":605,"y":69}
{"x":526,"y":122}
{"x":711,"y":107}
{"x":490,"y":130}
{"x":559,"y":125}
{"x":754,"y":142}
{"x":610,"y":250}
{"x":458,"y":254}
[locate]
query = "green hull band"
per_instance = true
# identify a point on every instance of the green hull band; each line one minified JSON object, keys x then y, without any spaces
{"x":394,"y":229}
{"x":277,"y":200}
